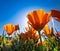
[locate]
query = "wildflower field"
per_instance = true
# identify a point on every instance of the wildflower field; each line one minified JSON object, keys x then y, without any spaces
{"x":38,"y":36}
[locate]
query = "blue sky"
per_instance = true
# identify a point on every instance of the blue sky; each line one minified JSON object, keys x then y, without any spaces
{"x":14,"y":11}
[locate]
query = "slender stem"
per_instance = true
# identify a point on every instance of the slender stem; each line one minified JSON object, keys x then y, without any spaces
{"x":40,"y":40}
{"x":3,"y":38}
{"x":47,"y":48}
{"x":40,"y":37}
{"x":8,"y":37}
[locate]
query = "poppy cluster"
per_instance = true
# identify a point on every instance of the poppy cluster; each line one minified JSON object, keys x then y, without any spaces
{"x":31,"y":38}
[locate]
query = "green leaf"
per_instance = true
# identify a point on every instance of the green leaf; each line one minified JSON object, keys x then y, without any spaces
{"x":55,"y":49}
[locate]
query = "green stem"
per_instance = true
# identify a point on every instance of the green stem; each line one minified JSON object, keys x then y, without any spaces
{"x":47,"y":48}
{"x":40,"y":37}
{"x":8,"y":37}
{"x":40,"y":41}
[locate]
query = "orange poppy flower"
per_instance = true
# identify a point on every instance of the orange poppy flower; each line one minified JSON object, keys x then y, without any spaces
{"x":44,"y":42}
{"x":30,"y":29}
{"x":22,"y":36}
{"x":11,"y":41}
{"x":38,"y":43}
{"x":57,"y":34}
{"x":16,"y":27}
{"x":9,"y":28}
{"x":56,"y":15}
{"x":35,"y":36}
{"x":38,"y":19}
{"x":30,"y":33}
{"x":47,"y":30}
